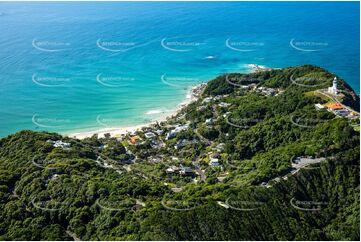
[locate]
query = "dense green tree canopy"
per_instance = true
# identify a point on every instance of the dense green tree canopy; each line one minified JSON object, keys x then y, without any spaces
{"x":88,"y":191}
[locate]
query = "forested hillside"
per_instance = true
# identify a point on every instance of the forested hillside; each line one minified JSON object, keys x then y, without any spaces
{"x":257,"y":127}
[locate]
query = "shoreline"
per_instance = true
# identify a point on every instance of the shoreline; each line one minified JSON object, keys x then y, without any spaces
{"x":191,"y":96}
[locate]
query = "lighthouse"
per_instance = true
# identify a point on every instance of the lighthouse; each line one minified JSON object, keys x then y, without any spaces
{"x":333,"y":89}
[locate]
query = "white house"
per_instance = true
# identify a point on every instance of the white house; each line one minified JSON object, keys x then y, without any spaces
{"x":149,"y":135}
{"x":209,"y":121}
{"x":61,"y":144}
{"x":319,"y":106}
{"x":214,"y":162}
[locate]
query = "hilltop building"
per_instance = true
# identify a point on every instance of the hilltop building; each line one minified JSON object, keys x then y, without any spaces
{"x":319,"y":106}
{"x":333,"y":89}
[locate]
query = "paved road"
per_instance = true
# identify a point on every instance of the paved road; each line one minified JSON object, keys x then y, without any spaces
{"x":306,"y":161}
{"x":298,"y":166}
{"x":71,"y":234}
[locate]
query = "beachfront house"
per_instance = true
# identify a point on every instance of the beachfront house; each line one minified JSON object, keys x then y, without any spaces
{"x":149,"y":135}
{"x":134,"y":140}
{"x":173,"y":133}
{"x":159,"y":131}
{"x":207,"y":100}
{"x":201,"y":108}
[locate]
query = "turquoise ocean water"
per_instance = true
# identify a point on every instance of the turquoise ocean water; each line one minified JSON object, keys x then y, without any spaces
{"x":70,"y":67}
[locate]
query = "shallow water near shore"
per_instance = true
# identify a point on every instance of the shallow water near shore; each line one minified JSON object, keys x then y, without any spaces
{"x":71,"y":67}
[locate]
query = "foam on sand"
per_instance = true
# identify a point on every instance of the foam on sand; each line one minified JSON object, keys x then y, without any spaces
{"x":161,"y":115}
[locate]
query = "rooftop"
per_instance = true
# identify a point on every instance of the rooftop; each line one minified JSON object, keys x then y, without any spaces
{"x":333,"y":105}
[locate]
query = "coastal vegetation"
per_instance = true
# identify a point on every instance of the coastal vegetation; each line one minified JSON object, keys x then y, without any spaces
{"x":228,"y":166}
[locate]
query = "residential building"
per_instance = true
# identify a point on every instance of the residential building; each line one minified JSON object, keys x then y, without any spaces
{"x":214,"y":162}
{"x":149,"y":135}
{"x":186,"y":171}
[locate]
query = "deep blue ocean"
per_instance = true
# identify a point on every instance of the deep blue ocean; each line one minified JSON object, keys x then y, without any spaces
{"x":70,"y":67}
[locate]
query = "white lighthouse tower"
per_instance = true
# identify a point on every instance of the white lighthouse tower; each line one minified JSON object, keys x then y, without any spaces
{"x":333,"y":89}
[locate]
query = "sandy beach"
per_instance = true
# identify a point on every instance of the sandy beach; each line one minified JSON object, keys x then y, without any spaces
{"x":114,"y":132}
{"x":192,"y":95}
